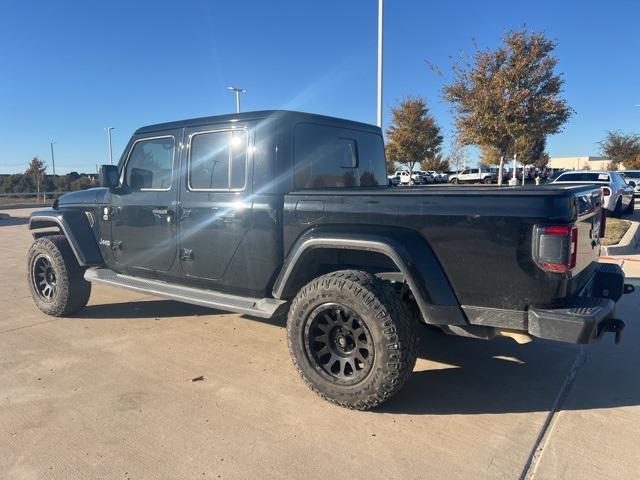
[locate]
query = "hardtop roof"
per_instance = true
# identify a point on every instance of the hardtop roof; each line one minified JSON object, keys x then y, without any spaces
{"x":257,"y":115}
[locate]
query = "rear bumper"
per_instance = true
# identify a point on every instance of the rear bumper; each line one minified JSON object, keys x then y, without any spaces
{"x":587,"y":317}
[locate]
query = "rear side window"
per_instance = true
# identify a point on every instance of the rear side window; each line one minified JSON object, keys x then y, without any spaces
{"x":584,"y":177}
{"x":218,"y":160}
{"x":150,"y":164}
{"x":331,"y":157}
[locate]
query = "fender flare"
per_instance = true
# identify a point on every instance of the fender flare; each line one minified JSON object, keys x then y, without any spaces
{"x":74,"y":225}
{"x":410,"y":253}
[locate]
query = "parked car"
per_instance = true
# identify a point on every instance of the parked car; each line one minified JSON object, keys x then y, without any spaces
{"x":444,"y":178}
{"x":633,"y":178}
{"x":427,"y":177}
{"x":434,"y":176}
{"x":474,"y":175}
{"x":305,"y":227}
{"x":618,"y":194}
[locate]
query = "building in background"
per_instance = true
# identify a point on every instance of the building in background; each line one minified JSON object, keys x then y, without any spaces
{"x":580,"y":163}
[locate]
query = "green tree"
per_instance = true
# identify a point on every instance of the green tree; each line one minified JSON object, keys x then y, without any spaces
{"x":621,"y":149}
{"x":414,"y":135}
{"x":501,"y":97}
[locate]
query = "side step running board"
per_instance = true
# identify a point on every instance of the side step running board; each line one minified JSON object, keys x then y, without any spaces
{"x":257,"y":307}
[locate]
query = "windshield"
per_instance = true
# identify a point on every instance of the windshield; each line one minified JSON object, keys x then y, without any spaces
{"x":631,"y":174}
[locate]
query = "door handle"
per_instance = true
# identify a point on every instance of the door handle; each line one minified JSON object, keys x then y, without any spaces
{"x":160,"y":212}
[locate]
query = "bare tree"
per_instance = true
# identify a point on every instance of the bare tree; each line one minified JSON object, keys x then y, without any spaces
{"x":36,"y":171}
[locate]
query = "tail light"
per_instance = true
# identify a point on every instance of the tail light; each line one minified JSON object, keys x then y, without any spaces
{"x":556,"y":247}
{"x":606,"y":191}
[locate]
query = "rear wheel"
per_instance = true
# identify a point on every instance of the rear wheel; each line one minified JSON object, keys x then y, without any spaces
{"x":56,"y":280}
{"x":351,"y":340}
{"x":617,"y":212}
{"x":487,"y":180}
{"x":629,"y":210}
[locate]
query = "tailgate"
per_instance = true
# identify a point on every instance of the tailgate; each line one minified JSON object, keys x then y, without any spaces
{"x":589,"y":205}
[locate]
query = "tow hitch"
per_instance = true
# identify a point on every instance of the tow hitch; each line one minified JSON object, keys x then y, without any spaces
{"x":613,"y":325}
{"x":628,"y":288}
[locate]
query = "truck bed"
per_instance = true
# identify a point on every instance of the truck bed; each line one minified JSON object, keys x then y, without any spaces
{"x":481,"y":235}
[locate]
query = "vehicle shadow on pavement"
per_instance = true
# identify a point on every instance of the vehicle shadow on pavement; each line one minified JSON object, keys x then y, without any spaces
{"x":466,"y":376}
{"x":499,"y":376}
{"x":144,"y":310}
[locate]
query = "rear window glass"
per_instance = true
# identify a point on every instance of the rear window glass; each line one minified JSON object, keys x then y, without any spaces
{"x":218,"y":160}
{"x":584,"y":177}
{"x":631,"y":174}
{"x":331,"y":157}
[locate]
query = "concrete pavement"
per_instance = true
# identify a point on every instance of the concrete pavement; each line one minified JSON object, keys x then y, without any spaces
{"x":108,"y":394}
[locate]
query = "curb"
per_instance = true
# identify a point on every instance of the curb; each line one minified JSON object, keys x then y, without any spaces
{"x":629,"y":243}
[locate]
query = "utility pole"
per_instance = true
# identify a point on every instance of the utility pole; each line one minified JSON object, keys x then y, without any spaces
{"x":238,"y":92}
{"x":108,"y":129}
{"x":380,"y":19}
{"x":53,"y":162}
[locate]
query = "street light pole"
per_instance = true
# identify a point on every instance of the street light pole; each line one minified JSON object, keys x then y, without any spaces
{"x":108,"y":129}
{"x":53,"y":161}
{"x":380,"y":19}
{"x":238,"y":92}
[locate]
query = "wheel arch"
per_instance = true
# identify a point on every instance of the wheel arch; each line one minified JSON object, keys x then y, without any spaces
{"x":320,"y":251}
{"x":73,"y":224}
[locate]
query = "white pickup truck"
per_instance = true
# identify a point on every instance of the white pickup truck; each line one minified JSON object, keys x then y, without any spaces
{"x":474,"y":175}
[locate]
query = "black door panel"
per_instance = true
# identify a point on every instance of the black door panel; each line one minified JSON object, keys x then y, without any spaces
{"x":143,"y":209}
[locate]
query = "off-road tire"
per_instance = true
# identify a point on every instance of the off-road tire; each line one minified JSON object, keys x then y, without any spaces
{"x":391,"y":328}
{"x":630,"y":209}
{"x":71,"y":291}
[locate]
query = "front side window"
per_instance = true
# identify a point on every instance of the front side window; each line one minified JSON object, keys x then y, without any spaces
{"x":218,"y":160}
{"x":150,"y":164}
{"x":332,"y":157}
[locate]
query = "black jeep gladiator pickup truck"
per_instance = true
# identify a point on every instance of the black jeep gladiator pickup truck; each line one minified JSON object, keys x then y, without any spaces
{"x":280,"y":213}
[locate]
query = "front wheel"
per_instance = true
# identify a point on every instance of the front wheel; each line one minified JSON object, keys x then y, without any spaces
{"x":56,"y":280}
{"x":454,"y":181}
{"x":487,"y":180}
{"x":351,"y":340}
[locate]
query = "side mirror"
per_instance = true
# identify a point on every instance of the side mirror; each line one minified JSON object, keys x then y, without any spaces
{"x":109,"y":176}
{"x":632,"y":183}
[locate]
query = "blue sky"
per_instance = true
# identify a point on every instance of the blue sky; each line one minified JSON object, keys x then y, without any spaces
{"x":70,"y":69}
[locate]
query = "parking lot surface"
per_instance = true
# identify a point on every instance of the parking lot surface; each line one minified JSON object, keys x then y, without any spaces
{"x":108,"y":393}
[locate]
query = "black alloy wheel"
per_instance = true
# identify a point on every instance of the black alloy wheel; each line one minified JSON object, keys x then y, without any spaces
{"x":338,"y":343}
